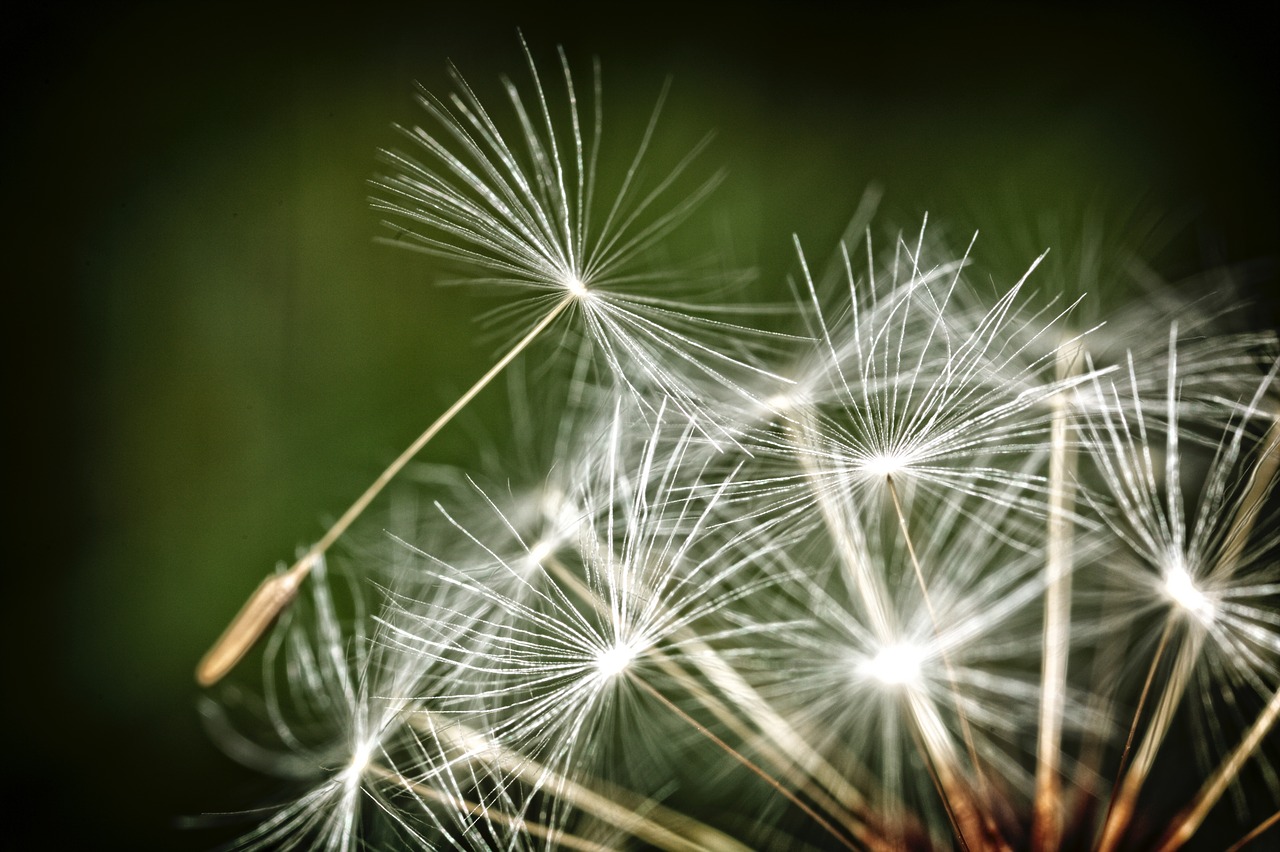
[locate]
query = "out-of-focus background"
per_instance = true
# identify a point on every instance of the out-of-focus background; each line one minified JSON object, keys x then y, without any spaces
{"x":209,"y":356}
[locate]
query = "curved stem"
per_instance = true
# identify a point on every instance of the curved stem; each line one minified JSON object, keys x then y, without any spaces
{"x":276,"y":592}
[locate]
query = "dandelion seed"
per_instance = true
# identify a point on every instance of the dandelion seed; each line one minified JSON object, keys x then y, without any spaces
{"x":335,"y":719}
{"x":923,"y":392}
{"x":533,"y":213}
{"x":550,"y":654}
{"x":886,"y":465}
{"x":529,"y":221}
{"x":1216,"y":566}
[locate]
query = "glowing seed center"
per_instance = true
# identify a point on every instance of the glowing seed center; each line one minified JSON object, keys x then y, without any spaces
{"x":613,"y":661}
{"x":895,"y":665}
{"x":1182,"y":590}
{"x":575,"y":286}
{"x":359,"y":762}
{"x":540,"y":551}
{"x":779,"y":402}
{"x":552,"y":503}
{"x":784,"y":401}
{"x":886,"y":464}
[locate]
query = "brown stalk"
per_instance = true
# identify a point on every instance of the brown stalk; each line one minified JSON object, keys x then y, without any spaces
{"x":1046,"y":832}
{"x":276,"y":592}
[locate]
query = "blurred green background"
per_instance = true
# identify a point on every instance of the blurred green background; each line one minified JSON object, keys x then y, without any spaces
{"x":209,"y":356}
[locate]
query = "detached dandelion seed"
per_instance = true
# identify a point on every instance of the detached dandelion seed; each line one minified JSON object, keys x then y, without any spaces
{"x":527,"y":220}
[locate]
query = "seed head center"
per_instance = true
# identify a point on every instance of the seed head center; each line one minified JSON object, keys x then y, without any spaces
{"x":886,"y":464}
{"x":540,"y":550}
{"x":360,"y":758}
{"x":614,"y":660}
{"x":895,"y":665}
{"x":1183,"y":591}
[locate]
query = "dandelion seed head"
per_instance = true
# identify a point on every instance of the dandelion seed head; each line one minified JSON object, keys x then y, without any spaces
{"x":895,"y":665}
{"x":886,"y":464}
{"x":576,"y":287}
{"x":614,"y":660}
{"x":360,"y":758}
{"x":784,"y":402}
{"x":1182,"y":590}
{"x":552,"y":502}
{"x":541,"y":550}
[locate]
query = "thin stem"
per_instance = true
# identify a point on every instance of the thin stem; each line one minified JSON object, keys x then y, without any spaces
{"x":927,"y":759}
{"x":1108,"y":658}
{"x":1217,"y":783}
{"x":745,"y":761}
{"x":1255,"y":833}
{"x":276,"y":592}
{"x":1047,"y":827}
{"x":779,"y":743}
{"x":1246,"y":515}
{"x":1116,"y":818}
{"x":965,"y":729}
{"x":786,"y":768}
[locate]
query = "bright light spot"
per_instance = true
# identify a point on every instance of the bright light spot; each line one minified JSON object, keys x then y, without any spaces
{"x":575,"y":286}
{"x":540,"y":551}
{"x":886,"y":464}
{"x":896,"y":665}
{"x":359,"y":762}
{"x":784,"y":402}
{"x":552,"y":503}
{"x":1182,"y":590}
{"x":780,"y":401}
{"x":612,"y":662}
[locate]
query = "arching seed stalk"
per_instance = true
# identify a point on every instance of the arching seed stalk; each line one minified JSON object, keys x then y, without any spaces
{"x":938,"y":785}
{"x":1129,"y":779}
{"x":1137,"y":715}
{"x":276,"y":592}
